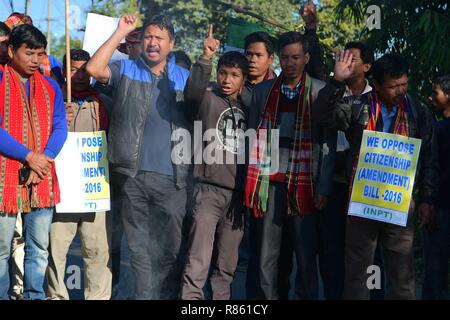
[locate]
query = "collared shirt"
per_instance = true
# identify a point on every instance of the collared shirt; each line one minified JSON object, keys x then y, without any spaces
{"x":291,"y":93}
{"x":388,"y":117}
{"x":349,"y":92}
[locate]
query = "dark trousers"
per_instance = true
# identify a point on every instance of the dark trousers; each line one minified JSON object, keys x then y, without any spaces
{"x":332,"y":222}
{"x":436,"y":246}
{"x":116,"y":185}
{"x":153,"y":210}
{"x":361,"y":240}
{"x":331,"y":231}
{"x":285,"y":265}
{"x":217,"y":226}
{"x":249,"y":255}
{"x":302,"y":233}
{"x":332,"y":242}
{"x":378,"y":294}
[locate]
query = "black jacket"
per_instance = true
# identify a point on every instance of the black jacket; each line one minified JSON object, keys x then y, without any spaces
{"x":131,"y":92}
{"x":351,"y":114}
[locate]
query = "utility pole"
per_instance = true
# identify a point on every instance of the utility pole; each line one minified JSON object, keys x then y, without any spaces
{"x":49,"y":27}
{"x":27,"y":7}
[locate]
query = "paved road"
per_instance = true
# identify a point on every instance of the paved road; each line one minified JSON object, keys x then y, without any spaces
{"x":126,"y":281}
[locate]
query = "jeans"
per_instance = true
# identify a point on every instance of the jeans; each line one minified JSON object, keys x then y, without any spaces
{"x":37,"y":237}
{"x":7,"y":224}
{"x":36,"y":234}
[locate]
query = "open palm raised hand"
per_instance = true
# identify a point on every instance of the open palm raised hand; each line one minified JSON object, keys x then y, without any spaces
{"x":344,"y":65}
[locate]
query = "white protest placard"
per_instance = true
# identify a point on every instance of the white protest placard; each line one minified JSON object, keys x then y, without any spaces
{"x":83,"y":174}
{"x":98,"y":29}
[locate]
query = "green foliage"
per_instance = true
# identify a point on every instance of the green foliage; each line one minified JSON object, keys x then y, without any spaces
{"x":419,"y":30}
{"x":192,"y":17}
{"x":115,"y":8}
{"x":59,"y":46}
{"x":334,"y":34}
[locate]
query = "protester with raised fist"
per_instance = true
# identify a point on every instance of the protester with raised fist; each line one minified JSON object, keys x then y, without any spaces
{"x":147,"y":108}
{"x":218,"y":213}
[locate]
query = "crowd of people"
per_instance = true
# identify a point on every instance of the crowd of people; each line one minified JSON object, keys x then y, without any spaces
{"x":188,"y":217}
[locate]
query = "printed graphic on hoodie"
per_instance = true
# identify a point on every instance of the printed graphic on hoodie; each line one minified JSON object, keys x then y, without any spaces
{"x":230,"y":126}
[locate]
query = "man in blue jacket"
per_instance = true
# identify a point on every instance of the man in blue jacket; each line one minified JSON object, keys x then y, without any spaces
{"x":147,"y":94}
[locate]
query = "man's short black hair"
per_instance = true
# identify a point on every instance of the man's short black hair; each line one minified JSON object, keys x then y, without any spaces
{"x":260,"y":36}
{"x":4,"y":30}
{"x":444,"y":83}
{"x":181,"y":56}
{"x":391,"y":65}
{"x":163,"y":22}
{"x":366,"y":52}
{"x":29,"y":35}
{"x":234,"y":59}
{"x":291,"y":37}
{"x":77,"y":55}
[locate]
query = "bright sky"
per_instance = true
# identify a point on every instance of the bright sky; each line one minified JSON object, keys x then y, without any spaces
{"x":39,"y":14}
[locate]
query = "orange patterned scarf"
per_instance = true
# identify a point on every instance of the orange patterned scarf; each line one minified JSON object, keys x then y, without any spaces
{"x":401,"y":121}
{"x":29,"y":121}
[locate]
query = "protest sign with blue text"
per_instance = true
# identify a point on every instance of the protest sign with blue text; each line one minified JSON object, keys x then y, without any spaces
{"x":83,"y":174}
{"x":384,"y":178}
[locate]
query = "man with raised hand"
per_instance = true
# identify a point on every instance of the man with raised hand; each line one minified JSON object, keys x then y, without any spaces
{"x":217,"y":227}
{"x":389,"y":108}
{"x":147,"y":108}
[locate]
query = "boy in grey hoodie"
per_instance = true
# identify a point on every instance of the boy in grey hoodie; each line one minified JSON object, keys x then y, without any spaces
{"x":218,"y":202}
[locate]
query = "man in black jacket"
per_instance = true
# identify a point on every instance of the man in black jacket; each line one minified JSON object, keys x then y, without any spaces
{"x":353,"y":115}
